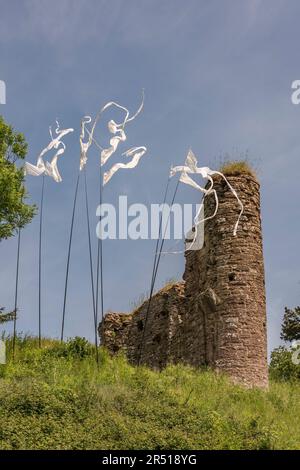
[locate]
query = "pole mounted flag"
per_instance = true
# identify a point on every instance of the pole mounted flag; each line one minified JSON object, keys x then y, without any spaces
{"x":84,"y":148}
{"x":118,"y":137}
{"x":49,"y":169}
{"x":191,"y":167}
{"x":86,"y":140}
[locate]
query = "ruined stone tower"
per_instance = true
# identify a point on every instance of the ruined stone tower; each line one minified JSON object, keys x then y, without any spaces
{"x":217,"y":315}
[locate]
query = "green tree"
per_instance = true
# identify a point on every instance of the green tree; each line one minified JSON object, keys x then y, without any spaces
{"x":290,"y":330}
{"x":4,"y":317}
{"x":14,"y":212}
{"x":283,"y":365}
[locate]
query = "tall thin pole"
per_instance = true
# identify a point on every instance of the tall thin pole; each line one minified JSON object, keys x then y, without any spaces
{"x":163,"y":238}
{"x":99,"y":274}
{"x":68,"y":259}
{"x":40,"y":261}
{"x":157,"y":256}
{"x":158,"y":240}
{"x":91,"y":264}
{"x":16,"y":292}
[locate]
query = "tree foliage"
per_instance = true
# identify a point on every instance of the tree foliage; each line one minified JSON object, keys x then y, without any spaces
{"x":4,"y":317}
{"x":14,"y":212}
{"x":290,"y":330}
{"x":282,"y":366}
{"x":284,"y":363}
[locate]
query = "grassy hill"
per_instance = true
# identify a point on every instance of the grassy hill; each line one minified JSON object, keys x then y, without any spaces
{"x":57,"y":398}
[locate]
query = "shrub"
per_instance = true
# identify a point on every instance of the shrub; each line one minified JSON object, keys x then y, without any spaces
{"x":74,"y":348}
{"x":281,"y":365}
{"x":57,"y":397}
{"x":237,"y":167}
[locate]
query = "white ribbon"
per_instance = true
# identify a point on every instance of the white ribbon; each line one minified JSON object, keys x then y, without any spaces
{"x":190,"y":167}
{"x":137,"y":153}
{"x":236,"y":196}
{"x":84,"y":146}
{"x":119,"y":136}
{"x":49,"y":169}
{"x":35,"y":170}
{"x":116,"y":129}
{"x":114,"y":142}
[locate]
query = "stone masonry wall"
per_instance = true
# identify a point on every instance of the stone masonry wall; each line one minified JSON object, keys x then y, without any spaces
{"x":162,"y":336}
{"x":217,"y":315}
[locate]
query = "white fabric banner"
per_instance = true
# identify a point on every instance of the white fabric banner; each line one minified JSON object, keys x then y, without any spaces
{"x":49,"y":169}
{"x":137,"y":153}
{"x":191,"y":167}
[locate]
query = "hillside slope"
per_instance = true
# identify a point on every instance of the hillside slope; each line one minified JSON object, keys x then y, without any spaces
{"x":57,"y":398}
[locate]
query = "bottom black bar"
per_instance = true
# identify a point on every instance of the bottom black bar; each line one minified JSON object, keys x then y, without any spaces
{"x":137,"y":458}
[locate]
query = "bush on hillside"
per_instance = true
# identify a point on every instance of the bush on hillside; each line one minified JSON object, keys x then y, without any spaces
{"x":282,"y":366}
{"x":73,"y":348}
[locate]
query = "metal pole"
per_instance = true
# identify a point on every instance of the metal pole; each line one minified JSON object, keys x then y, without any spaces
{"x":16,"y":293}
{"x":40,"y":261}
{"x":68,"y":259}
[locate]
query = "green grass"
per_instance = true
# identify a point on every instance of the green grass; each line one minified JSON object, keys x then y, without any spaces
{"x":237,"y":167}
{"x":57,"y":398}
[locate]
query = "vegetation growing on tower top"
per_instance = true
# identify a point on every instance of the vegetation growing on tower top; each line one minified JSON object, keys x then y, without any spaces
{"x":237,"y":167}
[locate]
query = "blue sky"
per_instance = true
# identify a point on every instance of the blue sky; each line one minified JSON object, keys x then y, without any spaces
{"x":217,"y":78}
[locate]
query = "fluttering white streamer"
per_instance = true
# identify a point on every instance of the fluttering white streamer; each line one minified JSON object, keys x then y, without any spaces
{"x":185,"y":178}
{"x":136,"y":152}
{"x":191,"y":167}
{"x":49,"y":169}
{"x":114,"y":141}
{"x":236,"y":196}
{"x":84,"y":146}
{"x":114,"y":128}
{"x":35,"y":170}
{"x":119,"y":136}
